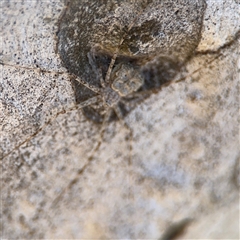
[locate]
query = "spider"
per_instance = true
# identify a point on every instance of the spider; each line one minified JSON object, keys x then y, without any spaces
{"x":122,"y":83}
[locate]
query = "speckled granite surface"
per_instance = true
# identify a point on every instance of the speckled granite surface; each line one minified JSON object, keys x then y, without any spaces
{"x":185,"y":146}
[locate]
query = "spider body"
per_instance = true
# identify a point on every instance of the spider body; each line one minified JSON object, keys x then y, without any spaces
{"x":117,"y":52}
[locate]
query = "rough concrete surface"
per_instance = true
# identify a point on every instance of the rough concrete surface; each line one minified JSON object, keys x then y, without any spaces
{"x":185,"y":146}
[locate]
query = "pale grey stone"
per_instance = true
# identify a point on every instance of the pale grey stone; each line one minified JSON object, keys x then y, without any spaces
{"x":185,"y":141}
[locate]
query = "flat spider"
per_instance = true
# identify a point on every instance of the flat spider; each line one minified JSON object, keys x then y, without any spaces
{"x":119,"y":64}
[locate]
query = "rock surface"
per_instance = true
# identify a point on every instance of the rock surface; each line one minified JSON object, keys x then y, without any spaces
{"x":185,"y":149}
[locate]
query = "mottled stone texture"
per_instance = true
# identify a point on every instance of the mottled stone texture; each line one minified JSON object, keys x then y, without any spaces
{"x":184,"y":173}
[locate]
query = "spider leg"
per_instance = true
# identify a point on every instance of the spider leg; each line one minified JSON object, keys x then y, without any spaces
{"x":121,"y":118}
{"x":109,"y":71}
{"x":31,"y":68}
{"x":130,"y":143}
{"x":75,"y":107}
{"x":89,"y":160}
{"x":195,"y":71}
{"x":103,"y":84}
{"x":134,"y":98}
{"x":86,"y":84}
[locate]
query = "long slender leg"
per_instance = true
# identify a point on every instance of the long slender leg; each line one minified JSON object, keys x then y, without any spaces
{"x":31,"y":68}
{"x":195,"y":71}
{"x":75,"y":107}
{"x":86,"y":84}
{"x":130,"y":141}
{"x":103,"y":84}
{"x":109,"y":71}
{"x":133,"y":99}
{"x":89,"y":160}
{"x":120,"y":117}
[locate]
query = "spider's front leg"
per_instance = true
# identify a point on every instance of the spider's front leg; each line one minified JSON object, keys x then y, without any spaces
{"x":110,"y":68}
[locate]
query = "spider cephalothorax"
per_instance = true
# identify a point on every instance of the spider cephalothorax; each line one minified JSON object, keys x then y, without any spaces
{"x":126,"y":79}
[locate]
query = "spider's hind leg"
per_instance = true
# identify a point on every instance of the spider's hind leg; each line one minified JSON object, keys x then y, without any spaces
{"x":49,"y":121}
{"x":130,"y":135}
{"x":89,"y":160}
